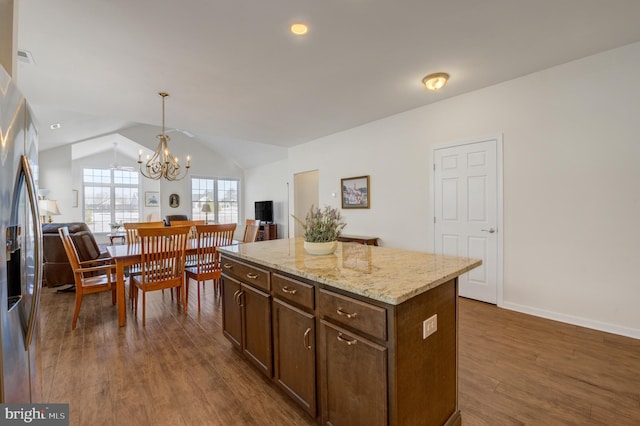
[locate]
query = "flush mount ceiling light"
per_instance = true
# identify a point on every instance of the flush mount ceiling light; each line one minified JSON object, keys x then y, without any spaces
{"x":299,"y":28}
{"x":162,"y":164}
{"x":435,"y":81}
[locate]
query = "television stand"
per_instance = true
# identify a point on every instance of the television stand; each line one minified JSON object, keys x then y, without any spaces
{"x":268,"y":231}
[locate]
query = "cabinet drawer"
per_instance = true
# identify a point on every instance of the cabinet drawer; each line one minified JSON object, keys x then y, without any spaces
{"x":293,"y":291}
{"x":361,"y":316}
{"x":246,"y":273}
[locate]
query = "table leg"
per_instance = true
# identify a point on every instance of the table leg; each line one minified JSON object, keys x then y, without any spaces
{"x":122,"y":305}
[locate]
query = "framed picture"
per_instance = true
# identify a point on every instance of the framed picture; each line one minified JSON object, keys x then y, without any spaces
{"x":174,"y":200}
{"x":356,"y":193}
{"x":74,"y":198}
{"x":152,"y":199}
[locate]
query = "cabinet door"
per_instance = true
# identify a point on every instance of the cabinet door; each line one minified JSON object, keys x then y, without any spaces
{"x":353,"y":378}
{"x":294,"y":340}
{"x":256,"y":326}
{"x":231,"y":311}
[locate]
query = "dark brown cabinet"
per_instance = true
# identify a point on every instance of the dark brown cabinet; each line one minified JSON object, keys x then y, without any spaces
{"x":346,"y":359}
{"x":294,"y":344}
{"x":246,"y":322}
{"x":353,"y":375}
{"x":268,"y":231}
{"x":256,"y":317}
{"x":231,"y":312}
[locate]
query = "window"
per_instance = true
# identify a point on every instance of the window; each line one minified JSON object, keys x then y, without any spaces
{"x":220,"y":194}
{"x":110,"y":196}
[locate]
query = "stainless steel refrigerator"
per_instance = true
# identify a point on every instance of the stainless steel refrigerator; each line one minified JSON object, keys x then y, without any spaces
{"x":21,"y":248}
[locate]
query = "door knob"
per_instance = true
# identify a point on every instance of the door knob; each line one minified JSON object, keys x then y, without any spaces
{"x":490,"y":230}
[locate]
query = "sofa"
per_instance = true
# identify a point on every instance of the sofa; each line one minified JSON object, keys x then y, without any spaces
{"x":57,"y":270}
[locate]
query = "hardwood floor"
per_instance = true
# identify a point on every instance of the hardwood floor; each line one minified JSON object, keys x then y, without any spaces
{"x":514,"y":368}
{"x":517,"y":369}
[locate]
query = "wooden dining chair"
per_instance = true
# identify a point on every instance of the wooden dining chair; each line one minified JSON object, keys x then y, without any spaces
{"x":186,"y":222}
{"x":191,"y":223}
{"x":131,"y":229}
{"x":162,"y":263}
{"x":251,"y":229}
{"x":191,"y":259}
{"x":91,"y":276}
{"x":131,"y":232}
{"x":207,"y":267}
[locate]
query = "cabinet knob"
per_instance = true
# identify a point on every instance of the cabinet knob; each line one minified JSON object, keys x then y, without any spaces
{"x":346,"y":341}
{"x":346,"y":314}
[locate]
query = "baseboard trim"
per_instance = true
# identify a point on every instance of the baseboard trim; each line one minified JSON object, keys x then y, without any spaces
{"x":570,"y":319}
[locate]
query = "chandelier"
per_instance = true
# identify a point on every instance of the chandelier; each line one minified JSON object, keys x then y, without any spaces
{"x":163,"y":164}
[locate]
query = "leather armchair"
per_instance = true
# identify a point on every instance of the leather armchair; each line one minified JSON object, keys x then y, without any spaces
{"x":57,"y":270}
{"x":169,"y":218}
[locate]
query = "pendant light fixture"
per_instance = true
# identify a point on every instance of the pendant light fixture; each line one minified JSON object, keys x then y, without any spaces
{"x":163,"y":164}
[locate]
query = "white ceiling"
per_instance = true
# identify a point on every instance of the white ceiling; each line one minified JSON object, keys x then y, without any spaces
{"x":249,"y":89}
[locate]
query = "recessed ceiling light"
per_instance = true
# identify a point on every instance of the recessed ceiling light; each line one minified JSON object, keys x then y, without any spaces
{"x":55,"y":126}
{"x":299,"y":28}
{"x":435,"y":81}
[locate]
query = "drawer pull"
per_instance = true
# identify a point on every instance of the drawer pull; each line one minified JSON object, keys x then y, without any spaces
{"x":235,"y":297}
{"x":305,"y":342}
{"x":227,"y":266}
{"x":346,"y":314}
{"x":346,"y":341}
{"x":252,"y":276}
{"x":289,"y":290}
{"x":240,"y":294}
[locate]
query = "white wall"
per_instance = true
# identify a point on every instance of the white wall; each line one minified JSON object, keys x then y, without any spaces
{"x":55,"y":175}
{"x":268,"y":182}
{"x":571,"y":203}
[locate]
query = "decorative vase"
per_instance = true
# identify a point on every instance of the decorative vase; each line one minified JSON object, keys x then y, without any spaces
{"x":320,"y":248}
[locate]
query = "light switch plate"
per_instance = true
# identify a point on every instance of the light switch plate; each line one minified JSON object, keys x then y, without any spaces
{"x":429,"y":326}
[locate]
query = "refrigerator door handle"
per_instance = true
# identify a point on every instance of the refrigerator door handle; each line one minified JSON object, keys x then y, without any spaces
{"x":32,"y":193}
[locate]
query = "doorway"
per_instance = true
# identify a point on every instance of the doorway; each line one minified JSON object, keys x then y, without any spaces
{"x":467,"y":204}
{"x":305,"y":195}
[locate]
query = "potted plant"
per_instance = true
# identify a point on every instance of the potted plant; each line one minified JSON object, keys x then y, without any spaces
{"x":321,"y":230}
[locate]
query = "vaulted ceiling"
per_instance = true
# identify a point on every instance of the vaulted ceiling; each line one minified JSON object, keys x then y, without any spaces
{"x":245,"y":86}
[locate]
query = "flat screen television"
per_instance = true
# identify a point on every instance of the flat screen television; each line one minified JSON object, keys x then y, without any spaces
{"x":264,"y":211}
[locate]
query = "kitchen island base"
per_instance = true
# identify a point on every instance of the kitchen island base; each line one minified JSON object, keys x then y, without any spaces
{"x":346,"y":358}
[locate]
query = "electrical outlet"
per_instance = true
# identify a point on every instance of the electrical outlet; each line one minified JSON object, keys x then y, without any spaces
{"x":429,"y":326}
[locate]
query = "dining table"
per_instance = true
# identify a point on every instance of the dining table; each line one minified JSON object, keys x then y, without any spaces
{"x":131,"y":254}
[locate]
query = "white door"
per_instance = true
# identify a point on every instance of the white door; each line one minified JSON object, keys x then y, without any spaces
{"x":466,"y":212}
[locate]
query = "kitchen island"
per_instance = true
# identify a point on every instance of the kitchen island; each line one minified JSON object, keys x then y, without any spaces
{"x":367,"y":335}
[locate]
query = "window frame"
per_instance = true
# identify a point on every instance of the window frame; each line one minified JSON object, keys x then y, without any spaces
{"x":113,"y":187}
{"x":214,"y":216}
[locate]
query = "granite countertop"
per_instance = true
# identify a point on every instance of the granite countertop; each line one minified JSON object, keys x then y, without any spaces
{"x":380,"y":273}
